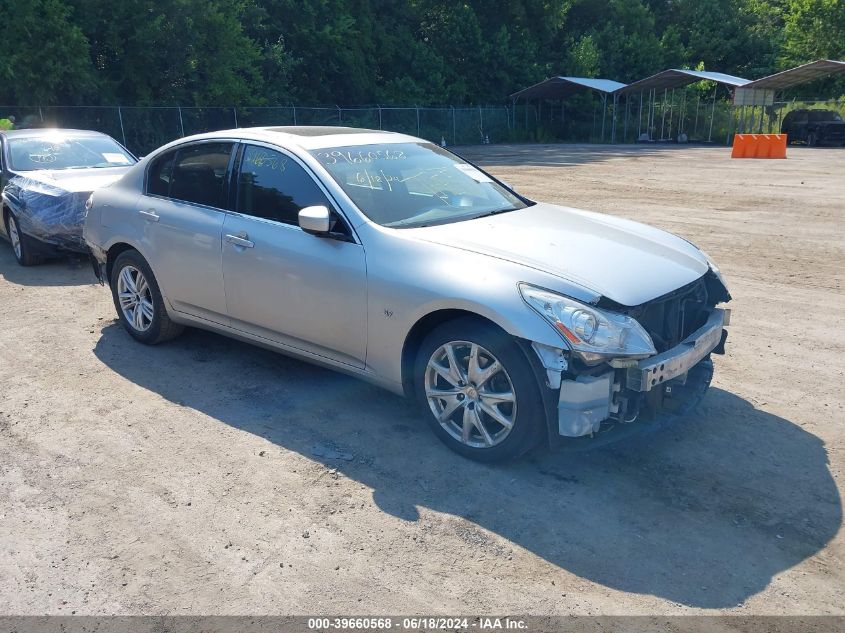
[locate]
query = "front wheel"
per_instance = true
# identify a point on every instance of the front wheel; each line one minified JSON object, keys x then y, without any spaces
{"x":20,"y":243}
{"x":478,"y":390}
{"x":138,"y":301}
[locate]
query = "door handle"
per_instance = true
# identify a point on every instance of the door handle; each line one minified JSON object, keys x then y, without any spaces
{"x":238,"y":240}
{"x":149,"y":214}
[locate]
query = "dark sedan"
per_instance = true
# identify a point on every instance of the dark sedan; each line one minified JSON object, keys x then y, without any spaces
{"x":46,"y":177}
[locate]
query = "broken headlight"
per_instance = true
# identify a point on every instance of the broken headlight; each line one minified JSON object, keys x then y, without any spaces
{"x":595,"y":334}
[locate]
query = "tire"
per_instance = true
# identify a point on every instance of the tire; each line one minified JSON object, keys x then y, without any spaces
{"x":21,"y":247}
{"x":468,"y":398}
{"x":146,"y":320}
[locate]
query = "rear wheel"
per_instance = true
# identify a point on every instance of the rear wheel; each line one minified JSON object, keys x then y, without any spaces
{"x":478,"y":391}
{"x":20,"y":242}
{"x":138,"y":300}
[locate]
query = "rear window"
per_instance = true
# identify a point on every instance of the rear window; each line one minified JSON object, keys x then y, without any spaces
{"x":199,"y":174}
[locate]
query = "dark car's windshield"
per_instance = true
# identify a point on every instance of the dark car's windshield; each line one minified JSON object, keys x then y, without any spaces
{"x":414,"y":184}
{"x":823,"y":115}
{"x":62,"y":151}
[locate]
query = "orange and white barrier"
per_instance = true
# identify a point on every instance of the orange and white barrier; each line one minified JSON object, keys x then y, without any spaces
{"x":759,"y":146}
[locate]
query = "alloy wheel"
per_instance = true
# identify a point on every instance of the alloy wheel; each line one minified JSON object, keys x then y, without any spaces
{"x":15,"y":237}
{"x":470,"y":394}
{"x":136,"y":298}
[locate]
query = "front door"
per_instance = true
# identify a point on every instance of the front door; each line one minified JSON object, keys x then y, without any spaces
{"x":282,"y":283}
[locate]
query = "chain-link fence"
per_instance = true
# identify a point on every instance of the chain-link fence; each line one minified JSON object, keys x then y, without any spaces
{"x":142,"y":129}
{"x":688,"y":116}
{"x":684,"y":116}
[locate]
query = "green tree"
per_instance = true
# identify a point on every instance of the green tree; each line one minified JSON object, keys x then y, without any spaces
{"x":171,"y":51}
{"x":43,"y":54}
{"x":814,"y":29}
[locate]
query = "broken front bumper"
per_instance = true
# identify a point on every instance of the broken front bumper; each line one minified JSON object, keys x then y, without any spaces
{"x":650,"y":372}
{"x":587,"y":401}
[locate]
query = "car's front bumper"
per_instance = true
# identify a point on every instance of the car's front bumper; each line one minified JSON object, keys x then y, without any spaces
{"x":650,"y":372}
{"x":587,"y":401}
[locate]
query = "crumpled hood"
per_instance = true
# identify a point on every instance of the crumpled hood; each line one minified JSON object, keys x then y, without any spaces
{"x":627,"y":262}
{"x":77,"y":180}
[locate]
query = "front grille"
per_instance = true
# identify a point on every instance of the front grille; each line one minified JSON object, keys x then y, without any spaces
{"x":671,"y":318}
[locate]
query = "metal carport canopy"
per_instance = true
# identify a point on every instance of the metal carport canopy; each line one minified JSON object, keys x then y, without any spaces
{"x":798,"y":75}
{"x":561,"y":87}
{"x":677,"y":78}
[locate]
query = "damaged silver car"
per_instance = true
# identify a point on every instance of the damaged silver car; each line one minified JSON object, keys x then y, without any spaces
{"x":511,"y":322}
{"x":46,"y":176}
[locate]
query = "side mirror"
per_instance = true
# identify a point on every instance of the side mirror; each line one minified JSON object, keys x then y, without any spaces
{"x":315,"y":220}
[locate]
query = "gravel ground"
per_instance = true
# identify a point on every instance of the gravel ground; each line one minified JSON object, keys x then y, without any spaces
{"x":206,"y":476}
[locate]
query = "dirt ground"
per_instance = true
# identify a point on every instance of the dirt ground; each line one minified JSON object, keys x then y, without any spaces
{"x":206,"y":476}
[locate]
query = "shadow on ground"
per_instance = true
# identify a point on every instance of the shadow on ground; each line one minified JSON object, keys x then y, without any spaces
{"x":704,"y":514}
{"x":72,"y":270}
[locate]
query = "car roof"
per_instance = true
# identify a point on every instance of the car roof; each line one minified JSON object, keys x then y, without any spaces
{"x":308,"y":137}
{"x":49,"y":131}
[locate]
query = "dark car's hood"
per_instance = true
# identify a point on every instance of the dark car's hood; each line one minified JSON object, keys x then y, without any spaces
{"x":75,"y":180}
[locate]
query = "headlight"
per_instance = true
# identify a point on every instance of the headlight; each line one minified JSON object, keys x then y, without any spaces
{"x":594,"y":333}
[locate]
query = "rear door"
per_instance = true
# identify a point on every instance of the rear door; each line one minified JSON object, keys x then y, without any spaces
{"x":182,"y":212}
{"x":282,"y":283}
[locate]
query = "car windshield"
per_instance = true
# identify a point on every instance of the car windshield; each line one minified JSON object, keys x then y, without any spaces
{"x":66,"y":152}
{"x":407,"y":185}
{"x":824,"y":116}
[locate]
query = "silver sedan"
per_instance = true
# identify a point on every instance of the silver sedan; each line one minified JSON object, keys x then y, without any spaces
{"x":512,"y":322}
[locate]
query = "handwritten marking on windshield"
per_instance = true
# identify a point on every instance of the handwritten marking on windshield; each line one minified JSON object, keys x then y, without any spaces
{"x":357,"y":158}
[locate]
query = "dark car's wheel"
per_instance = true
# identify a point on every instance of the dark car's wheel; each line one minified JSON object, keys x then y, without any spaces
{"x":138,"y":300}
{"x":478,"y":391}
{"x":20,"y":243}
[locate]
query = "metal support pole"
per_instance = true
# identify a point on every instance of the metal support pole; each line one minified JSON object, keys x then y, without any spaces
{"x":120,"y":118}
{"x":640,"y":117}
{"x":603,"y":114}
{"x":625,"y":132}
{"x":697,"y":103}
{"x":712,"y":114}
{"x":613,"y":123}
{"x":481,"y":123}
{"x":663,"y":113}
{"x":731,"y":127}
{"x":455,"y":126}
{"x":339,"y":115}
{"x":671,"y":112}
{"x":235,"y":113}
{"x":40,"y":114}
{"x":181,"y":123}
{"x":652,"y":113}
{"x":294,"y":114}
{"x":379,"y":117}
{"x":417,"y":108}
